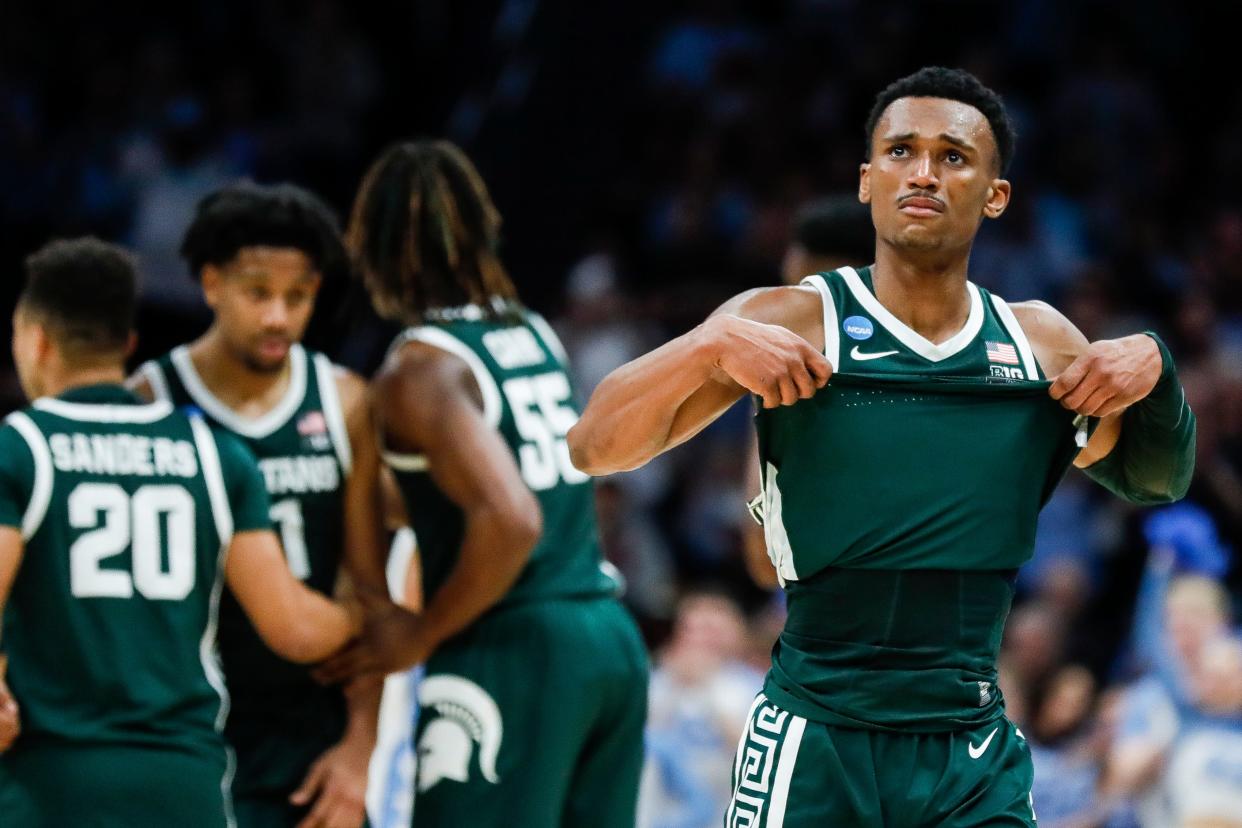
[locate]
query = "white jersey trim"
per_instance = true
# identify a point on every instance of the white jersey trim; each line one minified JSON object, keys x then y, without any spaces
{"x":154,"y":375}
{"x":784,"y":771}
{"x":213,"y":476}
{"x":909,"y":337}
{"x":258,"y":427}
{"x":779,"y":550}
{"x":445,"y":341}
{"x":549,"y":337}
{"x":1011,"y":323}
{"x":222,"y":513}
{"x":405,"y":462}
{"x":41,"y":496}
{"x":832,"y":335}
{"x":330,"y":399}
{"x":97,"y":413}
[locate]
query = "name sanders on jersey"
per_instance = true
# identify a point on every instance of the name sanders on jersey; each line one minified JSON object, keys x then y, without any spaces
{"x":123,"y":454}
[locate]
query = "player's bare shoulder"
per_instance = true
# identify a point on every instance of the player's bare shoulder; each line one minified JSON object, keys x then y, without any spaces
{"x":798,"y":308}
{"x":1055,"y":340}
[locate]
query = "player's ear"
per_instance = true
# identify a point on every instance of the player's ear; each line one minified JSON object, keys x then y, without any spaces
{"x":211,"y":279}
{"x":864,"y":183}
{"x":998,"y":198}
{"x":131,"y":344}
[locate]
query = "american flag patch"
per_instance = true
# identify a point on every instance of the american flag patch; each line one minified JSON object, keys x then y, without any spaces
{"x":1002,"y":352}
{"x":312,"y":423}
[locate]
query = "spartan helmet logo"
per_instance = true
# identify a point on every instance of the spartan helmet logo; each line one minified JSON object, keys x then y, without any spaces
{"x":467,"y":714}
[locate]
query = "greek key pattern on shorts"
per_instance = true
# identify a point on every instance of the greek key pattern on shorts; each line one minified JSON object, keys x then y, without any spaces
{"x":764,"y":764}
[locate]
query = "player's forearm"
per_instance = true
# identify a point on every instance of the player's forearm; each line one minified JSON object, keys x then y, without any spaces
{"x":630,"y":416}
{"x":362,"y":701}
{"x":1154,"y":458}
{"x":494,"y":551}
{"x":316,"y":629}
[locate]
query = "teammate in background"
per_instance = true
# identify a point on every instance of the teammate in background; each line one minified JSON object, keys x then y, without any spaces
{"x":260,"y":251}
{"x":900,"y":498}
{"x":828,"y":233}
{"x":119,"y":523}
{"x":535,"y":692}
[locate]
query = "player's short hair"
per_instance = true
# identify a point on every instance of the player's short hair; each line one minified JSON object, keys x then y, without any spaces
{"x":246,"y":214}
{"x":425,"y":235}
{"x":84,"y":292}
{"x":953,"y":85}
{"x":835,"y":225}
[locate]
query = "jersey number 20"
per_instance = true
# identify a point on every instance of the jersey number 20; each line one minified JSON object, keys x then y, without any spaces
{"x":132,"y":522}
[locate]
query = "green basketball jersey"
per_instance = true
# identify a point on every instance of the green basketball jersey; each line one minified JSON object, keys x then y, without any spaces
{"x":520,"y":368}
{"x":898,"y":503}
{"x":126,"y":510}
{"x":304,"y":454}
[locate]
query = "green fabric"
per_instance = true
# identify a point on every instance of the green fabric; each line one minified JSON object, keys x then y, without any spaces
{"x":804,"y":774}
{"x":305,"y":482}
{"x":247,"y":495}
{"x":1154,"y":459}
{"x":556,"y":692}
{"x":518,"y":363}
{"x":16,"y":476}
{"x":106,"y":643}
{"x":56,"y":786}
{"x":898,"y":503}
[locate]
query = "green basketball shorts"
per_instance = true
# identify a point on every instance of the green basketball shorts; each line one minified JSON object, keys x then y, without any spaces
{"x":790,"y":772}
{"x":533,"y":717}
{"x":54,"y":786}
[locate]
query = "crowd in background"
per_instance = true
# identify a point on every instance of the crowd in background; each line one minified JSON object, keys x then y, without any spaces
{"x":649,"y":159}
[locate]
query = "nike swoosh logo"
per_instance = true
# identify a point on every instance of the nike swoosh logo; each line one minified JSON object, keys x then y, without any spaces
{"x":976,"y":752}
{"x":862,"y":357}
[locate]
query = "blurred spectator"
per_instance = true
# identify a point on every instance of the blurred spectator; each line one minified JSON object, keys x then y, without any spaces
{"x":701,"y":691}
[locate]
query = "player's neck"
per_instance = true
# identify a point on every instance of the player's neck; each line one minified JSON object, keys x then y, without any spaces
{"x":61,"y":381}
{"x":230,"y":380}
{"x":928,"y":294}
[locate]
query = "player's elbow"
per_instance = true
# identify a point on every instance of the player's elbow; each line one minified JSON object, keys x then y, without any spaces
{"x":590,"y":452}
{"x":296,"y":643}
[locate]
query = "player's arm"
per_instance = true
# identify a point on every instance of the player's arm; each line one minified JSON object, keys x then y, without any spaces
{"x":296,"y":622}
{"x":1144,"y":447}
{"x":766,"y":341}
{"x":427,"y":402}
{"x":11,"y":547}
{"x":337,"y":781}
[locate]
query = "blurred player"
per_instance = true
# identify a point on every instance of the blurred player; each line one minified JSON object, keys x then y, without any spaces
{"x":900,"y":498}
{"x":260,"y":254}
{"x":119,"y":522}
{"x":828,"y":233}
{"x":535,"y":691}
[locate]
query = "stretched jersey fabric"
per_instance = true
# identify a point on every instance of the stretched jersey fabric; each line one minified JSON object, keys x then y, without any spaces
{"x":519,"y":366}
{"x":126,"y":510}
{"x":898,"y":503}
{"x":282,"y":719}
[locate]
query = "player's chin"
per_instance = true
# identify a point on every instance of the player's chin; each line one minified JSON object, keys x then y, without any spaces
{"x":266,"y":362}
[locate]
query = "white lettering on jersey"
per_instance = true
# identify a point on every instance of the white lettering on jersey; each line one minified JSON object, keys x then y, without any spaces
{"x":123,"y":454}
{"x":300,"y":474}
{"x":514,"y":348}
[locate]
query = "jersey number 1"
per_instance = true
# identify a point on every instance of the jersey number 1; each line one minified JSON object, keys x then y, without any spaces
{"x":132,"y":522}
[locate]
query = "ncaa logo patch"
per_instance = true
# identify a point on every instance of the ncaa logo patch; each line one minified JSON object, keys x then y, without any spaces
{"x":858,"y":327}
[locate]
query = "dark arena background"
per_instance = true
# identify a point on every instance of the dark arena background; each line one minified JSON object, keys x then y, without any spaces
{"x":649,"y":160}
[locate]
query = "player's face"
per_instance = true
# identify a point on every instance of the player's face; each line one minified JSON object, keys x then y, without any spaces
{"x":29,"y":343}
{"x":932,"y":177}
{"x":263,"y":300}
